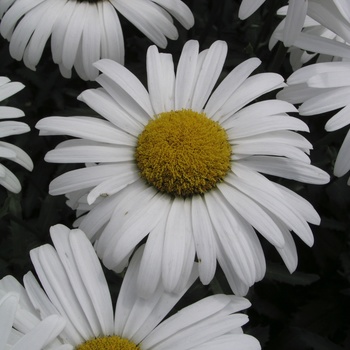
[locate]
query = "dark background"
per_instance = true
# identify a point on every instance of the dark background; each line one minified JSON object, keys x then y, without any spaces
{"x":306,"y":310}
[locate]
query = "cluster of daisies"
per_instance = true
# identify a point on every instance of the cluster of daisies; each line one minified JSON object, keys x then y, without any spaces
{"x":175,"y":175}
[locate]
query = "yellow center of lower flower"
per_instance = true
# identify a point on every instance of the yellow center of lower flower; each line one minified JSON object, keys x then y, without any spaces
{"x":108,"y":343}
{"x":183,"y":153}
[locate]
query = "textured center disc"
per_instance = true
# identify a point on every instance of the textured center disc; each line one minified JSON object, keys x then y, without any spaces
{"x":108,"y":343}
{"x":183,"y":153}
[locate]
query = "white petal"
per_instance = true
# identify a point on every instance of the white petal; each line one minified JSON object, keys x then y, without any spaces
{"x":185,"y":75}
{"x":339,"y":120}
{"x":150,"y":268}
{"x":253,"y":214}
{"x":127,"y":82}
{"x":46,"y":331}
{"x":174,"y":245}
{"x":287,"y":168}
{"x":149,"y":18}
{"x":249,"y":90}
{"x":57,"y":286}
{"x":59,"y":30}
{"x":8,"y":308}
{"x":80,"y":152}
{"x":73,"y":35}
{"x":87,"y":128}
{"x":42,"y":32}
{"x":232,"y":237}
{"x":228,"y":86}
{"x":204,"y":240}
{"x":248,"y":7}
{"x":112,"y":39}
{"x":342,"y":163}
{"x":10,"y":89}
{"x":102,"y":103}
{"x":15,"y":13}
{"x":326,"y":101}
{"x":9,"y":180}
{"x":294,"y":21}
{"x":179,"y":10}
{"x":91,"y":42}
{"x":21,"y":157}
{"x":10,"y":112}
{"x":209,"y":73}
{"x":252,"y":125}
{"x":93,"y":278}
{"x":161,"y":80}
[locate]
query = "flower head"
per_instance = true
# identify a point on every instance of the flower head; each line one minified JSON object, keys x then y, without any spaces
{"x":321,"y":88}
{"x":8,"y":128}
{"x":75,"y":288}
{"x":83,"y":31}
{"x":181,"y":164}
{"x":323,"y":29}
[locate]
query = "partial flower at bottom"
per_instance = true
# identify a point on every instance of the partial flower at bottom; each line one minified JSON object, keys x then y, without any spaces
{"x":76,"y":289}
{"x":181,"y":165}
{"x":9,"y":128}
{"x":13,"y":333}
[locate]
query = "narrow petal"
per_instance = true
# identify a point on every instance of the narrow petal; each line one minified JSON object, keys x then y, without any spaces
{"x":228,"y":86}
{"x":161,"y":80}
{"x":339,"y":119}
{"x":45,"y":332}
{"x":86,"y":128}
{"x":127,"y":82}
{"x":185,"y":74}
{"x":93,"y":278}
{"x":342,"y":163}
{"x":174,"y":245}
{"x":209,"y":73}
{"x":294,"y":21}
{"x":287,"y":168}
{"x":8,"y":308}
{"x":203,"y":234}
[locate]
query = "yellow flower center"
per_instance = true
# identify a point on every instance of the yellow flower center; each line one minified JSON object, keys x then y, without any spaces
{"x":183,"y":153}
{"x":108,"y":343}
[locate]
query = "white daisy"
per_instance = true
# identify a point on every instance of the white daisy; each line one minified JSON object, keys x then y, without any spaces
{"x":182,"y":165}
{"x":83,"y":31}
{"x":320,"y":88}
{"x":324,"y":31}
{"x":12,"y":333}
{"x":76,"y":288}
{"x":8,"y":128}
{"x":295,"y":15}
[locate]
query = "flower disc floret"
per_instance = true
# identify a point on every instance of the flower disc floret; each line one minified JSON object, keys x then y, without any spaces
{"x":108,"y":343}
{"x":183,"y":153}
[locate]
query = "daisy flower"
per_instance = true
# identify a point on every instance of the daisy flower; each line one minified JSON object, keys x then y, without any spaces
{"x":292,"y":25}
{"x":83,"y":31}
{"x":8,"y":128}
{"x":324,"y":31}
{"x":321,"y":88}
{"x":11,"y":337}
{"x":181,"y":164}
{"x":76,"y":289}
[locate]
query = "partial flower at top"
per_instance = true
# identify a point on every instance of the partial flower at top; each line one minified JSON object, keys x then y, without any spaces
{"x":295,"y":16}
{"x":181,"y":164}
{"x":14,"y":335}
{"x":75,"y":288}
{"x":321,"y":88}
{"x":8,"y":128}
{"x":325,"y":31}
{"x":83,"y":31}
